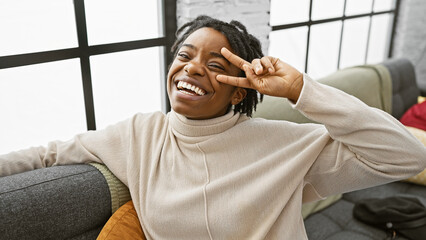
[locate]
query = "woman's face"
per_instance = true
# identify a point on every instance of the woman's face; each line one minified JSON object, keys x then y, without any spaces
{"x":191,"y":82}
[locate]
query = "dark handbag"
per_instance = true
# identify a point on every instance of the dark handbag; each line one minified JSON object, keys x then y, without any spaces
{"x":398,"y":215}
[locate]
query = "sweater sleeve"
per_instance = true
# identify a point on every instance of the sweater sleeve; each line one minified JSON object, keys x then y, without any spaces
{"x":367,"y":146}
{"x":105,"y":146}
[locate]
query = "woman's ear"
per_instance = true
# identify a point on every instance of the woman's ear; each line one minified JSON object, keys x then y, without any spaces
{"x":238,"y":95}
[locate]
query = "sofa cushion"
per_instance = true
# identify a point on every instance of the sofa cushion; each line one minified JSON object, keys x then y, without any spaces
{"x":45,"y":203}
{"x":404,"y":85}
{"x":336,"y":222}
{"x":415,"y":116}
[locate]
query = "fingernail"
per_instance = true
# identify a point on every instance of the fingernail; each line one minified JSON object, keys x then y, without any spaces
{"x":258,"y":69}
{"x":270,"y":70}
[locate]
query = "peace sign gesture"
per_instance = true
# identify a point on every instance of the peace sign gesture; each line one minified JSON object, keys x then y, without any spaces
{"x":267,"y":75}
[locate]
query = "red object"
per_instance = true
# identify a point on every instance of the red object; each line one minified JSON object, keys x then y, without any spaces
{"x":415,"y":116}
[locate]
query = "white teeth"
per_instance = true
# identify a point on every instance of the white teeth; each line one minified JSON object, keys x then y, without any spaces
{"x":185,"y":85}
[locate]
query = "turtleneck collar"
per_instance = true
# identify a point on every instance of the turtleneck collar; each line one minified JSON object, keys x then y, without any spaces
{"x":203,"y":128}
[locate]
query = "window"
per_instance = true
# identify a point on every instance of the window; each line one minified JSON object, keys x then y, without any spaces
{"x":125,"y":83}
{"x":26,"y":26}
{"x":40,"y":103}
{"x":73,"y":65}
{"x":322,"y":36}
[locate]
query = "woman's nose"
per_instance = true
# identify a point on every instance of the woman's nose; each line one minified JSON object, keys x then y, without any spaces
{"x":194,"y":68}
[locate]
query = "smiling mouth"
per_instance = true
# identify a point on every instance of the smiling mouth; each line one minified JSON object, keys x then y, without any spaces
{"x":189,"y":89}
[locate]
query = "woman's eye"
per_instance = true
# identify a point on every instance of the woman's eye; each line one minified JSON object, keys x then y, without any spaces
{"x":183,"y":55}
{"x":217,"y":67}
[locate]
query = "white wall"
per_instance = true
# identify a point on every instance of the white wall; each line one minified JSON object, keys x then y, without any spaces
{"x":410,"y":37}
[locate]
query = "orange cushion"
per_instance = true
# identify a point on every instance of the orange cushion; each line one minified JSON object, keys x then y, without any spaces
{"x":123,"y":224}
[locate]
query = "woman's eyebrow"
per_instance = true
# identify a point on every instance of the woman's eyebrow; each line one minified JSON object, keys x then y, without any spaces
{"x":189,"y":45}
{"x":215,"y":54}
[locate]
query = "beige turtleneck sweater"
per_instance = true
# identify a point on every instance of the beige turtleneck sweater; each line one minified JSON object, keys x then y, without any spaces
{"x":234,"y":177}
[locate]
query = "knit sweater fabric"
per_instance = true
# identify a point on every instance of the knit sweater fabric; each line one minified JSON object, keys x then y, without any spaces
{"x":234,"y":177}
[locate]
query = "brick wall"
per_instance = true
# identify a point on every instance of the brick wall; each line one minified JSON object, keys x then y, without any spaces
{"x":254,"y":14}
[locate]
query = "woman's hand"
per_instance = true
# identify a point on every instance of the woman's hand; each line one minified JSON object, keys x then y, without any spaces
{"x":267,"y":75}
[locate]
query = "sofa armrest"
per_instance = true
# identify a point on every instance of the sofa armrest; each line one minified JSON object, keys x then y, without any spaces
{"x":119,"y":192}
{"x":59,"y":202}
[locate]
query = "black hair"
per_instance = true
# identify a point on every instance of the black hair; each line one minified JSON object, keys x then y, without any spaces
{"x":242,"y":43}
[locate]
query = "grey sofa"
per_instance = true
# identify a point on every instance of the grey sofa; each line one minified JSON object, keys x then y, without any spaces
{"x":63,"y":202}
{"x":74,"y":202}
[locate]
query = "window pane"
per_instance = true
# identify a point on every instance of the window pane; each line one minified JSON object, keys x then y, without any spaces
{"x":379,"y":38}
{"x":289,"y":11}
{"x":383,"y":5}
{"x":290,"y":46}
{"x":354,"y":7}
{"x":33,"y":26}
{"x":354,"y":43}
{"x":324,"y":49}
{"x":327,"y":9}
{"x":110,"y":21}
{"x":125,"y":83}
{"x":40,"y":103}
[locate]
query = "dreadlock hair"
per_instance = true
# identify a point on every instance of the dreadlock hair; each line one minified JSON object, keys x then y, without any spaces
{"x":242,"y":43}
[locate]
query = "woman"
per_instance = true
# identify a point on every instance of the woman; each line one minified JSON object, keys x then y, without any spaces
{"x":206,"y":170}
